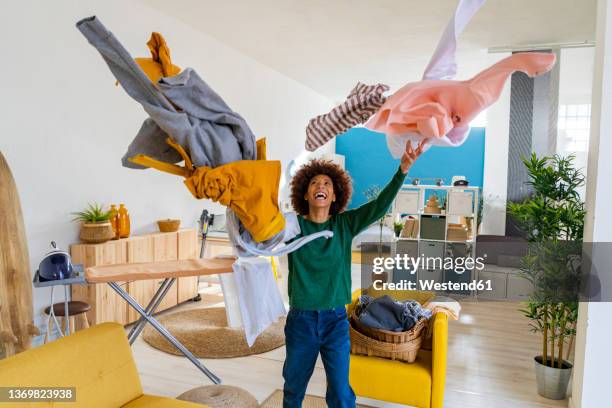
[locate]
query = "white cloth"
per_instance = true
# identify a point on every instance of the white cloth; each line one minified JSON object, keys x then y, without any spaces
{"x":261,"y":303}
{"x":244,"y":245}
{"x":442,"y":65}
{"x":445,"y":305}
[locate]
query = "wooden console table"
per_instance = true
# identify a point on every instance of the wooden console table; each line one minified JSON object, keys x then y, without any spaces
{"x":107,"y":306}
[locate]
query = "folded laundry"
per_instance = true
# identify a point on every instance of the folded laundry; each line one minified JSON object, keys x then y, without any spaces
{"x":441,"y":110}
{"x":245,"y":246}
{"x":182,"y":106}
{"x":387,"y":314}
{"x":446,"y":305}
{"x":261,"y":303}
{"x":362,"y":102}
{"x":160,"y":64}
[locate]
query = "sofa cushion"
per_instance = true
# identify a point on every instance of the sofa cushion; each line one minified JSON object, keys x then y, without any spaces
{"x":393,"y":381}
{"x":97,"y":361}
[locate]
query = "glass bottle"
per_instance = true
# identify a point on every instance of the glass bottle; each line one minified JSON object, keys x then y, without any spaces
{"x":114,"y":220}
{"x":123,"y":221}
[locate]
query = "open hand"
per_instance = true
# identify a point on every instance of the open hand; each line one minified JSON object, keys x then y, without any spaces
{"x":411,"y":155}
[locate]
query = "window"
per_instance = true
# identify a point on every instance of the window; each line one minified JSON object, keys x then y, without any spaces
{"x":574,"y":127}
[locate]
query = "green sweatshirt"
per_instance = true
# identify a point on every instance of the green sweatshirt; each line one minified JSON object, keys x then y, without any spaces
{"x":320,"y":271}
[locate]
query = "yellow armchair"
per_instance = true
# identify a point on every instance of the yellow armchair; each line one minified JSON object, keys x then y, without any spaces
{"x":419,"y":384}
{"x":97,"y":361}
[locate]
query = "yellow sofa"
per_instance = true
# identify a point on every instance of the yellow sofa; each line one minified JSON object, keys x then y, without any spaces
{"x":419,"y":384}
{"x":97,"y":361}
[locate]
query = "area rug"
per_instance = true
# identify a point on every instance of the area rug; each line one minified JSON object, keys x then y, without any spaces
{"x":205,"y":333}
{"x":275,"y":400}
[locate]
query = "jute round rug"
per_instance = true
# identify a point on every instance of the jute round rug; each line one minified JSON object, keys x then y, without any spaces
{"x":205,"y":333}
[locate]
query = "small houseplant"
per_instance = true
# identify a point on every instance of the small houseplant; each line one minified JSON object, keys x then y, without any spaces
{"x":553,"y":220}
{"x":95,"y":224}
{"x":371,"y":193}
{"x":397,"y":228}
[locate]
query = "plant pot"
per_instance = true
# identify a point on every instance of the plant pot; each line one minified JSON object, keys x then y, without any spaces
{"x":552,"y":382}
{"x":96,"y":233}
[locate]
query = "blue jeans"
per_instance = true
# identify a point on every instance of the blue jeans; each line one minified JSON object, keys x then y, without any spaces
{"x":307,"y":333}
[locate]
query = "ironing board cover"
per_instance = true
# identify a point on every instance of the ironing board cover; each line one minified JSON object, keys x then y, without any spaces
{"x":158,"y":270}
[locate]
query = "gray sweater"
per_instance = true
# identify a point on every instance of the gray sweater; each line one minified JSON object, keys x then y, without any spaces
{"x":183,"y":106}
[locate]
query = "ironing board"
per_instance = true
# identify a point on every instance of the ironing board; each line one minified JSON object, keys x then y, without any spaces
{"x":169,"y":271}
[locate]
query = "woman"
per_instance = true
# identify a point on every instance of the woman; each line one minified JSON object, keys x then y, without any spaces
{"x":320,"y":276}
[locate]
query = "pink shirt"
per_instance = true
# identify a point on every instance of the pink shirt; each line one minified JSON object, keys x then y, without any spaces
{"x":433,"y":108}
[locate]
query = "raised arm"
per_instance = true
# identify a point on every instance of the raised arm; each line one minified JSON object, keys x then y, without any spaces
{"x":360,"y":218}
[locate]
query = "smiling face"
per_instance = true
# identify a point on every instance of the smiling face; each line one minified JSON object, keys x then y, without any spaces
{"x":320,"y":193}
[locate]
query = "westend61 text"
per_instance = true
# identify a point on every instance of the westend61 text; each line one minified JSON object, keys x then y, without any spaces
{"x":432,"y":285}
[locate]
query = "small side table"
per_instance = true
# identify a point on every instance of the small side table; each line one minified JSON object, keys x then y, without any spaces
{"x":77,"y":279}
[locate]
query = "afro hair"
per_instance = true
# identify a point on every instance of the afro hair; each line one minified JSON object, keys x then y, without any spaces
{"x":340,"y":179}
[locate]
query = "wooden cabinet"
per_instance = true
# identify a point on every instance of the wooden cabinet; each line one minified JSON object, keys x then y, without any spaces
{"x":106,"y":304}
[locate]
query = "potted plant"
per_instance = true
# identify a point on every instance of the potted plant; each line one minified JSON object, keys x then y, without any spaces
{"x":397,"y":228}
{"x":95,"y":224}
{"x":371,"y":193}
{"x":553,"y":220}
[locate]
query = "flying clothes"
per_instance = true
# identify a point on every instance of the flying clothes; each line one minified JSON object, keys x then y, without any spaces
{"x":245,"y":246}
{"x":434,"y":108}
{"x":360,"y":104}
{"x":160,"y":64}
{"x":248,"y":187}
{"x":182,"y":106}
{"x":443,"y":65}
{"x":415,"y":111}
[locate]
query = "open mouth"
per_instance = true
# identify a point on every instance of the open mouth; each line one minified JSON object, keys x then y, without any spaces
{"x":320,"y":196}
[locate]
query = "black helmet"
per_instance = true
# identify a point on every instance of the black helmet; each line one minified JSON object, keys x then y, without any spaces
{"x":55,"y":265}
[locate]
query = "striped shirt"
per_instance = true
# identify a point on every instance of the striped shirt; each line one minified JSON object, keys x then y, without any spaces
{"x":363,"y":102}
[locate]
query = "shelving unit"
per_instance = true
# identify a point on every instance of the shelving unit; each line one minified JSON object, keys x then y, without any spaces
{"x":429,"y":237}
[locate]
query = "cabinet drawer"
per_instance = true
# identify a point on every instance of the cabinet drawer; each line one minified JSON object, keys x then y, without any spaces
{"x":498,"y":285}
{"x":460,"y":202}
{"x":454,"y":277}
{"x":407,"y":202}
{"x":431,"y":249}
{"x":433,"y":227}
{"x":435,"y":275}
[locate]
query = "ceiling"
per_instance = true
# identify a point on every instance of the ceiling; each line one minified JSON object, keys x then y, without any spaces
{"x":329,"y":45}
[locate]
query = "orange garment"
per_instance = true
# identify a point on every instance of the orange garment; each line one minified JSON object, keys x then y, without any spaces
{"x":160,"y":64}
{"x":433,"y":108}
{"x":248,"y":187}
{"x":261,"y":148}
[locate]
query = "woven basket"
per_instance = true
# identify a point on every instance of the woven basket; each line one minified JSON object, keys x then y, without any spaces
{"x":364,"y":345}
{"x":168,"y":225}
{"x":389,"y":336}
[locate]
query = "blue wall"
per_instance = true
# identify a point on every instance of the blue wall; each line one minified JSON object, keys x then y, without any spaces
{"x":369,"y":162}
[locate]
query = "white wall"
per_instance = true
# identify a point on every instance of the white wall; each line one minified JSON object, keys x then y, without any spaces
{"x":591,"y":378}
{"x":495,"y":180}
{"x":65,"y":126}
{"x":575,"y":87}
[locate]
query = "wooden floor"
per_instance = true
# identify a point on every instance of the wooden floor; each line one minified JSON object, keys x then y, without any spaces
{"x":490,"y":363}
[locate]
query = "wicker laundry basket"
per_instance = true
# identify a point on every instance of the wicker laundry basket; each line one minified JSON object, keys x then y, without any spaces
{"x":390,"y":336}
{"x":402,"y":346}
{"x":364,"y":345}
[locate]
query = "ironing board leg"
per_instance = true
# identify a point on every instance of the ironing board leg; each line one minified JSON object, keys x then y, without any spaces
{"x":164,"y":332}
{"x":151,"y":308}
